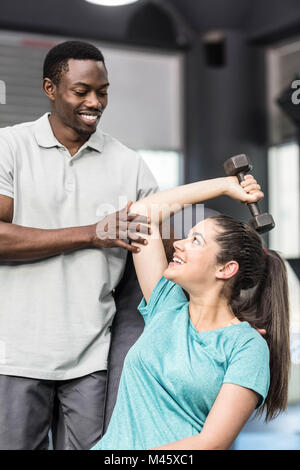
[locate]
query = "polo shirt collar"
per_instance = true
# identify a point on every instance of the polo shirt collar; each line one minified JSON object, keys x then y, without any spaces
{"x":43,"y":133}
{"x":45,"y":137}
{"x":96,"y":141}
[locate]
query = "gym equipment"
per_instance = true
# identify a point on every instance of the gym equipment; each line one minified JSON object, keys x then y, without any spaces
{"x":238,"y":166}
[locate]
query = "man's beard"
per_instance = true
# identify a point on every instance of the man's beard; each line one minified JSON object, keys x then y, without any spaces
{"x":84,"y":132}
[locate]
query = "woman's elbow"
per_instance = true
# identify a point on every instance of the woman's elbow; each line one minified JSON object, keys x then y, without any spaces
{"x":212,"y":444}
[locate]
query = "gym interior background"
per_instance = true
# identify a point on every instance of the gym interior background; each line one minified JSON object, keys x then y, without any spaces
{"x":192,"y":83}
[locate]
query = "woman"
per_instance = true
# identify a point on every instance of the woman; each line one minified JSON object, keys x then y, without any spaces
{"x":201,"y":368}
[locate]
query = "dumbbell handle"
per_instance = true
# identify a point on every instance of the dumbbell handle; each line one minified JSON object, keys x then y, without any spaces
{"x":253,"y":206}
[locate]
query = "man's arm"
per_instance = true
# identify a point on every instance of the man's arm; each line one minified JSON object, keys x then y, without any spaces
{"x":230,"y":412}
{"x":18,"y":243}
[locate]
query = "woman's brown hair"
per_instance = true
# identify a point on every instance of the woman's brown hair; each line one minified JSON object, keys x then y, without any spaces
{"x":258,"y":294}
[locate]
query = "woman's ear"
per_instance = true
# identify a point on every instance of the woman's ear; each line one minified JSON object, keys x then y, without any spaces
{"x":227,"y":270}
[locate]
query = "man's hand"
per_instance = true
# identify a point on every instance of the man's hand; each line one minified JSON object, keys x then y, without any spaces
{"x":261,"y":331}
{"x":246,"y":191}
{"x":113,"y":230}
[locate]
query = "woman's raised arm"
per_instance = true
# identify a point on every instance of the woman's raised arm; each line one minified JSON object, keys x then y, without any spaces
{"x":151,"y":261}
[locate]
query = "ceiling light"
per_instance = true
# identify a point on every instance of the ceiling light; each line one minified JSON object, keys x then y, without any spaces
{"x":112,"y":3}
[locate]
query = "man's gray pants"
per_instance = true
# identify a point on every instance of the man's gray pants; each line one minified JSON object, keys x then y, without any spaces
{"x":73,"y":410}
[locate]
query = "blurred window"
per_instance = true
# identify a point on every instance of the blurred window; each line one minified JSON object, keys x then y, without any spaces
{"x":284,"y":198}
{"x":166,"y":166}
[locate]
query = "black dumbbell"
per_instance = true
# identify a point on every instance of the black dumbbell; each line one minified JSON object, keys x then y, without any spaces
{"x":238,"y":166}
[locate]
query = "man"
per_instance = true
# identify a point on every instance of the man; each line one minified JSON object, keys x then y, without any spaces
{"x":61,"y":256}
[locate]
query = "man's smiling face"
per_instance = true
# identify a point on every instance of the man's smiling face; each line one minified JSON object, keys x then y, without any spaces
{"x":80,"y":97}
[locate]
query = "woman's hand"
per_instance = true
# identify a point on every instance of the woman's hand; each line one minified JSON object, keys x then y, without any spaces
{"x":246,"y":191}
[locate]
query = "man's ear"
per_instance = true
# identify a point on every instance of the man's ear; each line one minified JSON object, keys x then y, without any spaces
{"x":49,"y":88}
{"x":227,"y":270}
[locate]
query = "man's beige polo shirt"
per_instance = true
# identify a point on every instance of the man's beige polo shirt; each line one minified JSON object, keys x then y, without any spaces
{"x":55,"y":313}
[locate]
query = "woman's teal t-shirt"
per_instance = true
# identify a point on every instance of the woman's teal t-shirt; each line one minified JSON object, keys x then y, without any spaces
{"x":173,"y":374}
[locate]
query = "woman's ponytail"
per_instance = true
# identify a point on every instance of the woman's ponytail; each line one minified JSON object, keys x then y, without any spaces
{"x":273,"y":316}
{"x":258,"y":294}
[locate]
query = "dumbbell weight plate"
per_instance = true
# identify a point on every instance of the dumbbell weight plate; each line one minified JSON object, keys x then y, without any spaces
{"x":262,"y":222}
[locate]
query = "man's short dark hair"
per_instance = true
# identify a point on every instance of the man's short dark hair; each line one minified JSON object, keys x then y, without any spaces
{"x":56,"y":61}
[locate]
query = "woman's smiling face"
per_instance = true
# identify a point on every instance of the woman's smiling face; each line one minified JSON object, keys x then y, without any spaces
{"x":194,"y":258}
